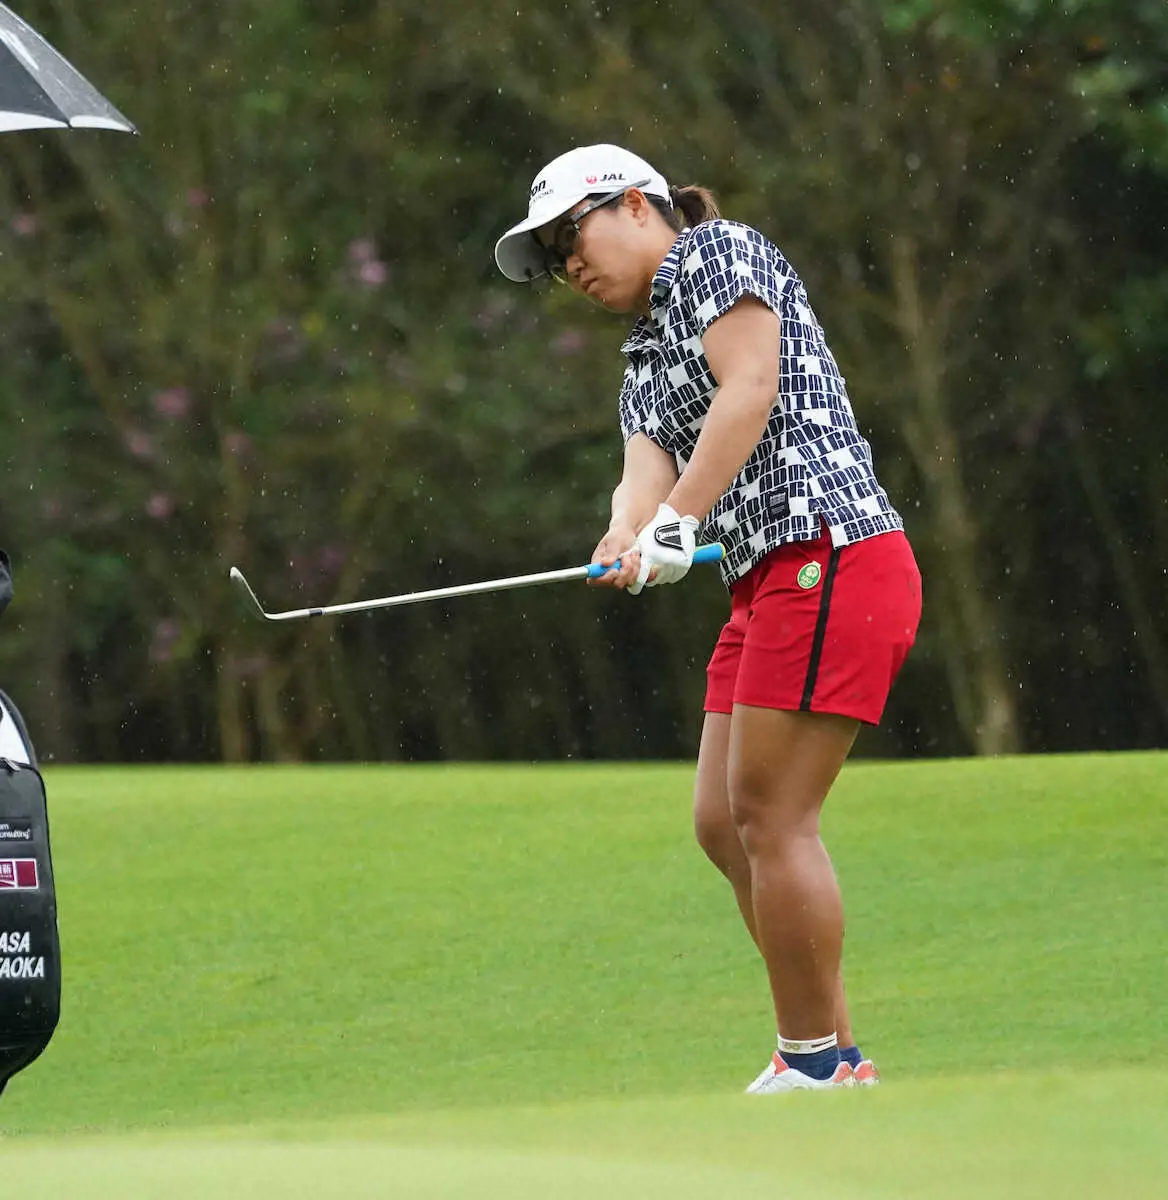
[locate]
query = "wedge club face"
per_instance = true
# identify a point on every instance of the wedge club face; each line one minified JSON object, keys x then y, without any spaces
{"x":244,"y":589}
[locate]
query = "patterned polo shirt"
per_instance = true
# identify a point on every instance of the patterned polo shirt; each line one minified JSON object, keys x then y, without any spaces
{"x":811,"y":461}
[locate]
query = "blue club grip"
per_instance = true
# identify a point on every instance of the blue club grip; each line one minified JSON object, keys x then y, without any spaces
{"x":711,"y":552}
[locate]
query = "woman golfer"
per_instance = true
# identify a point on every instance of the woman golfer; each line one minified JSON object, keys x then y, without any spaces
{"x":737,"y":424}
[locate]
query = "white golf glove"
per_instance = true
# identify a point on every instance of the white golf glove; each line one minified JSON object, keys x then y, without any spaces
{"x":666,"y":543}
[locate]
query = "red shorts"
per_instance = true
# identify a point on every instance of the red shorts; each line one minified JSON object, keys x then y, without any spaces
{"x":819,"y":629}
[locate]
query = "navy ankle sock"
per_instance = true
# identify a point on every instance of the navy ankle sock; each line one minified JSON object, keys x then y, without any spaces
{"x":820,"y":1065}
{"x":851,"y":1055}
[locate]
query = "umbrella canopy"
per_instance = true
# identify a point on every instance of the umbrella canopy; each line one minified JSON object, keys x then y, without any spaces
{"x":41,"y":90}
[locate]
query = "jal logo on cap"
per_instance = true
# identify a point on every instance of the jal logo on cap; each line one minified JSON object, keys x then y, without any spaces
{"x":611,"y":177}
{"x":19,"y":874}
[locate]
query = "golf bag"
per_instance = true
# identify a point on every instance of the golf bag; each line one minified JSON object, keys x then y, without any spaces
{"x":30,"y":952}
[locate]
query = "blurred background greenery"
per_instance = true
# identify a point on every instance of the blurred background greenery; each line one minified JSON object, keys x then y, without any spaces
{"x":269,"y":333}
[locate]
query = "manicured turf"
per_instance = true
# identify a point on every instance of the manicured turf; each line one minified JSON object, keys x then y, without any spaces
{"x":425,"y":981}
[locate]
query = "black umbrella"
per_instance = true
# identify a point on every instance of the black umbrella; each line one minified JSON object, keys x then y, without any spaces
{"x":40,"y":90}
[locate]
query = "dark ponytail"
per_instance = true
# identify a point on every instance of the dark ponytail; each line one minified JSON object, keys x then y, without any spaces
{"x":688,"y":206}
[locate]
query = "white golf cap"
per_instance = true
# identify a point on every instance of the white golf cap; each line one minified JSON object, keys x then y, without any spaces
{"x":563,"y":183}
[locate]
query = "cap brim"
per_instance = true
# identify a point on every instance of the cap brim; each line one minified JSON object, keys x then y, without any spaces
{"x":518,"y":255}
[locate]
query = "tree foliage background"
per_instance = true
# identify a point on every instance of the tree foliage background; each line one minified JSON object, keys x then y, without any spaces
{"x":269,"y":333}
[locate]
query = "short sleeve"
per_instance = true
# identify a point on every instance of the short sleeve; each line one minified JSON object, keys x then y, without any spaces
{"x":725,"y":261}
{"x":633,"y":402}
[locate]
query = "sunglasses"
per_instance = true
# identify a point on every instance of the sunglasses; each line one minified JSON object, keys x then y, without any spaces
{"x":566,"y":235}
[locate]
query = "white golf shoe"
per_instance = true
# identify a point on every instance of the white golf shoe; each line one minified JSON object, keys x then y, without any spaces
{"x":778,"y":1077}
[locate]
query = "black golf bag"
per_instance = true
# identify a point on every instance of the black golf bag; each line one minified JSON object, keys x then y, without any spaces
{"x":30,"y":953}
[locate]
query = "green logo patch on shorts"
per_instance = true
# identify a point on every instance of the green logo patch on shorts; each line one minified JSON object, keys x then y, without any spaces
{"x":809,"y":575}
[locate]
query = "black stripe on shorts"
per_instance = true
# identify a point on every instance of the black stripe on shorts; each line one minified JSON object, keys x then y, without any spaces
{"x":820,"y":630}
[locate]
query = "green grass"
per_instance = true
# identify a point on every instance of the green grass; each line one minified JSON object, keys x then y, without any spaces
{"x":516,"y":981}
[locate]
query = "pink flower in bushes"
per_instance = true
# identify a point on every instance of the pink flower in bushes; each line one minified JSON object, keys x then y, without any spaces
{"x":373,"y":274}
{"x":366,"y":264}
{"x":362,"y":250}
{"x":160,"y":506}
{"x":140,"y":444}
{"x":237,"y":443}
{"x":569,"y":342}
{"x":173,"y":403}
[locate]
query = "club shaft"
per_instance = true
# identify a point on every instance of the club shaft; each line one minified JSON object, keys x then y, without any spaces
{"x":712,"y":552}
{"x":468,"y":589}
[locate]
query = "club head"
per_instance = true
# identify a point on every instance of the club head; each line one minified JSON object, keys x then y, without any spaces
{"x":243,"y":588}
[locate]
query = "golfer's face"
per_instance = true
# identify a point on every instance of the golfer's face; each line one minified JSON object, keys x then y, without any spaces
{"x":596,"y":246}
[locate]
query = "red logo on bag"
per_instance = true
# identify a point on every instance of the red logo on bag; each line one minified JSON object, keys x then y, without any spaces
{"x":18,"y":873}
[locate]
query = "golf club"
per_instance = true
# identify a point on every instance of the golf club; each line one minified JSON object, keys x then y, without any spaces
{"x":712,"y":552}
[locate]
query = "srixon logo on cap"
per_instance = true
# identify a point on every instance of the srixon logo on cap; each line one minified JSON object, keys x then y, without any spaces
{"x":19,"y":874}
{"x":538,"y":188}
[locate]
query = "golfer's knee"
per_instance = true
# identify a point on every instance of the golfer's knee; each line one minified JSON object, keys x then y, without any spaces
{"x":755,"y":833}
{"x":767,"y":817}
{"x":715,"y":832}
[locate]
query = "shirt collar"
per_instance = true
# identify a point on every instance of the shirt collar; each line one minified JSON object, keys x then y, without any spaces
{"x":642,"y":335}
{"x":664,"y":278}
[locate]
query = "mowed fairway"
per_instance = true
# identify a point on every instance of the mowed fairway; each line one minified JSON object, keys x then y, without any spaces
{"x":526,"y":981}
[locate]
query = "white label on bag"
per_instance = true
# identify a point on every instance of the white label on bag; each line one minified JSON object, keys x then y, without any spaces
{"x":15,"y":943}
{"x":22,"y":968}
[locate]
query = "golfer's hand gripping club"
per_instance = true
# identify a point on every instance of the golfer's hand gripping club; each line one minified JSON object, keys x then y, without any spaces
{"x":710,"y":553}
{"x":666,"y":546}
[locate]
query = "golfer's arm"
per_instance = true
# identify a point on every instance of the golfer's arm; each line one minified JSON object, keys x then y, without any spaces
{"x":742,"y":348}
{"x":649,"y":473}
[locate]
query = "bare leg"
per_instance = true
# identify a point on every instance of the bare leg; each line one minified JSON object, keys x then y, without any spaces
{"x":780,"y":768}
{"x":718,"y":836}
